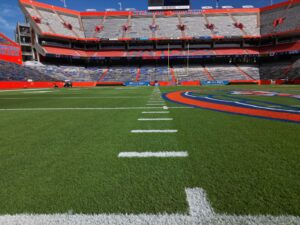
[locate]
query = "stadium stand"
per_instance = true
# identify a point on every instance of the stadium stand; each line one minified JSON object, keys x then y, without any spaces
{"x":13,"y":72}
{"x":158,"y":73}
{"x":137,"y":26}
{"x":195,"y":26}
{"x":141,"y":28}
{"x":227,"y":72}
{"x":190,"y":74}
{"x":280,"y":70}
{"x":223,"y":26}
{"x":280,"y":19}
{"x":223,"y":44}
{"x":73,"y":73}
{"x":121,"y":74}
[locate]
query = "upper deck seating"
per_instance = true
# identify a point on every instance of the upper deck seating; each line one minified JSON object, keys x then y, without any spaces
{"x":113,"y":27}
{"x":43,"y":25}
{"x":74,"y":21}
{"x":55,"y":23}
{"x":140,"y":27}
{"x":250,"y":23}
{"x":167,"y":27}
{"x":290,"y":19}
{"x":224,"y":26}
{"x":195,"y":26}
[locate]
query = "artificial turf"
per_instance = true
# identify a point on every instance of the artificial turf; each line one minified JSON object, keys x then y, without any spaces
{"x":57,"y":161}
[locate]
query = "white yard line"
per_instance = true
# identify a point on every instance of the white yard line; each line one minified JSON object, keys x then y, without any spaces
{"x":37,"y":92}
{"x":155,"y":119}
{"x":155,"y":112}
{"x":162,"y":104}
{"x":154,"y":131}
{"x":200,"y":212}
{"x":152,"y":154}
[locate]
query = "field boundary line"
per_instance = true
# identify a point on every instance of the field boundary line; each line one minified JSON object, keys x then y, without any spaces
{"x":200,"y":212}
{"x":152,"y":154}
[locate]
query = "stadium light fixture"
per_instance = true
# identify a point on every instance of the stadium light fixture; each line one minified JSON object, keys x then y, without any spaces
{"x":217,"y":3}
{"x":120,"y":6}
{"x":65,"y":3}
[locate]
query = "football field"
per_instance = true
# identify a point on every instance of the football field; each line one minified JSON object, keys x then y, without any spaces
{"x":138,"y":153}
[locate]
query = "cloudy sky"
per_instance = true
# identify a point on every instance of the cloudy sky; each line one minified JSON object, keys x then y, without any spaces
{"x":10,"y":13}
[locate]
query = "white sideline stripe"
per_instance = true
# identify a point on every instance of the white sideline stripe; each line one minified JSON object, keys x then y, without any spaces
{"x":154,"y":112}
{"x":59,"y":98}
{"x":61,"y":109}
{"x":154,"y":131}
{"x":200,"y":212}
{"x":152,"y":154}
{"x":154,"y":119}
{"x":36,"y":92}
{"x":116,"y":108}
{"x":156,"y":104}
{"x":23,"y":90}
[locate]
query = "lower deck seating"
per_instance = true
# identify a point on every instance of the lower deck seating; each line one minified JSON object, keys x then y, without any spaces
{"x":280,"y":70}
{"x":273,"y":70}
{"x":70,"y":72}
{"x":190,"y":74}
{"x":14,"y":72}
{"x":225,"y":72}
{"x":121,"y":74}
{"x":155,"y":74}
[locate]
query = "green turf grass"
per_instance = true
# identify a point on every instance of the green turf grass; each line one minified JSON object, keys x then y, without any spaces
{"x":61,"y":161}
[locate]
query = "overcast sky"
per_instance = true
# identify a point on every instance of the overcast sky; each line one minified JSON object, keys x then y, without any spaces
{"x":10,"y":13}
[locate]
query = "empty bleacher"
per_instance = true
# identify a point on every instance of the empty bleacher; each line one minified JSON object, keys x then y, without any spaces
{"x":151,"y":73}
{"x":226,"y":72}
{"x":73,"y":73}
{"x":195,"y":26}
{"x":290,"y":19}
{"x":190,"y":74}
{"x":13,"y":72}
{"x":140,"y":27}
{"x":113,"y":27}
{"x":120,"y":74}
{"x":167,"y":27}
{"x":280,"y":70}
{"x":223,"y":25}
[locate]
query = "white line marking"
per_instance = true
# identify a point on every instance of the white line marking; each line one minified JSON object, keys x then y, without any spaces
{"x":154,"y":131}
{"x":155,"y":112}
{"x":59,"y":98}
{"x":152,"y":154}
{"x":36,"y":92}
{"x":166,"y":107}
{"x":112,"y":108}
{"x":154,"y":119}
{"x":156,"y":104}
{"x":61,"y":109}
{"x":200,"y":213}
{"x":23,"y":90}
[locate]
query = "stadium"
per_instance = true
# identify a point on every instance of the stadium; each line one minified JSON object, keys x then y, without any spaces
{"x":173,"y":115}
